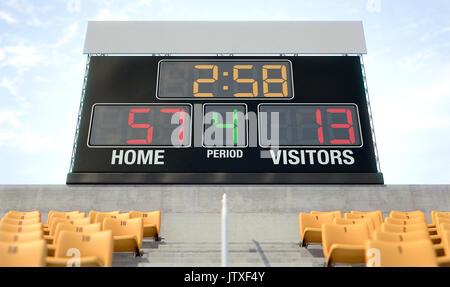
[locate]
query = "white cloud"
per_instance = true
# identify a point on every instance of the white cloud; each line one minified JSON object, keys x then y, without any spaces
{"x":21,"y":57}
{"x":8,"y":18}
{"x":417,"y":60}
{"x":69,"y":33}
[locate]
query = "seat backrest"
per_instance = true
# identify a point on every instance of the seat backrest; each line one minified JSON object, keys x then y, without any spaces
{"x":93,"y":214}
{"x":434,"y":213}
{"x":54,"y":213}
{"x":131,"y":226}
{"x":407,"y":215}
{"x":150,"y":217}
{"x":23,"y":254}
{"x":6,"y":236}
{"x":67,"y":216}
{"x":20,"y":228}
{"x":375,"y":212}
{"x":440,"y":221}
{"x":444,"y":226}
{"x":367,"y":220}
{"x":99,"y":244}
{"x":353,"y":234}
{"x":15,"y":221}
{"x":307,"y":220}
{"x":445,"y":235}
{"x":398,"y":221}
{"x":401,"y":236}
{"x":24,"y":213}
{"x":23,"y":216}
{"x":88,"y":228}
{"x":387,"y":227}
{"x":418,"y":253}
{"x":374,"y":216}
{"x":56,"y":221}
{"x":100,"y":218}
{"x":337,"y":213}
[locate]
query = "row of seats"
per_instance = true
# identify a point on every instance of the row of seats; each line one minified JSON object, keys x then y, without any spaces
{"x":402,"y":239}
{"x":92,"y":239}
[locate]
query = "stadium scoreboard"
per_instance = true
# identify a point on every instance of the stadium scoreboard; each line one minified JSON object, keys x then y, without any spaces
{"x":212,"y":117}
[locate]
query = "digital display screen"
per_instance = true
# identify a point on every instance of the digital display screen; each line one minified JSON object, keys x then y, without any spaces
{"x":309,"y":125}
{"x":141,"y":125}
{"x":259,"y":79}
{"x":225,"y":125}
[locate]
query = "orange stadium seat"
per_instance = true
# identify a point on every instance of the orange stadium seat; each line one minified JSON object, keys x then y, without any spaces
{"x":23,"y":254}
{"x":401,"y":236}
{"x":368,"y":221}
{"x":22,"y":216}
{"x":152,"y":222}
{"x":24,"y":213}
{"x":414,"y":220}
{"x":407,"y":215}
{"x":54,"y":213}
{"x":435,"y":213}
{"x":336,"y":213}
{"x":6,"y":236}
{"x":93,"y":214}
{"x":100,"y":218}
{"x":57,"y":220}
{"x":65,"y":226}
{"x":376,"y":212}
{"x":20,"y":228}
{"x":127,"y":233}
{"x":374,"y":216}
{"x":310,"y":226}
{"x":95,"y":249}
{"x":403,"y":228}
{"x":418,"y":253}
{"x":344,"y":243}
{"x":15,"y":221}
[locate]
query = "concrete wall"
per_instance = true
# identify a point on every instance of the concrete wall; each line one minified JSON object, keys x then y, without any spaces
{"x":192,"y":213}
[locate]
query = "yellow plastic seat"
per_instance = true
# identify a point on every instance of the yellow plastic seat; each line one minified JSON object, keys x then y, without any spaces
{"x":24,"y":213}
{"x":387,"y":227}
{"x":127,"y":234}
{"x":57,"y":220}
{"x":344,"y":243}
{"x":414,"y":220}
{"x":100,"y":218}
{"x":368,"y":221}
{"x":54,"y":213}
{"x":407,"y":215}
{"x":401,"y":236}
{"x":419,"y":253}
{"x":15,"y":221}
{"x":67,"y":226}
{"x":93,"y":214}
{"x":20,"y":228}
{"x":373,"y":216}
{"x":445,"y":260}
{"x":95,"y":249}
{"x":152,"y":222}
{"x":310,"y":226}
{"x":336,"y":213}
{"x":23,"y":254}
{"x":6,"y":236}
{"x":378,"y":213}
{"x":23,"y":216}
{"x":435,"y":213}
{"x":441,"y":220}
{"x":65,"y":216}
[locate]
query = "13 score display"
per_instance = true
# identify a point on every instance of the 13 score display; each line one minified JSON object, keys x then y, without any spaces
{"x":150,"y":119}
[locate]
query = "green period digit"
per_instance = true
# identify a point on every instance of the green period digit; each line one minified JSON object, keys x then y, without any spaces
{"x":234,"y":125}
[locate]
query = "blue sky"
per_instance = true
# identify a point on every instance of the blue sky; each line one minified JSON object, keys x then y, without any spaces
{"x":42,"y":67}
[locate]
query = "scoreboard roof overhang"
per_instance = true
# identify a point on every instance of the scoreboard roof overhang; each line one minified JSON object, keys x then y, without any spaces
{"x":227,"y":37}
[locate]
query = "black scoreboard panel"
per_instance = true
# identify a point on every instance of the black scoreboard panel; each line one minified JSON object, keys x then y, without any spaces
{"x":201,"y":119}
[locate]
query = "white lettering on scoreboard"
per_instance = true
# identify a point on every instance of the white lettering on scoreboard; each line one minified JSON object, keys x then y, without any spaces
{"x":312,"y":157}
{"x":139,"y":157}
{"x":279,"y":157}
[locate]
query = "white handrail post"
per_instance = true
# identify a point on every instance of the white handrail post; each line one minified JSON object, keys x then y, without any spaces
{"x":224,"y":231}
